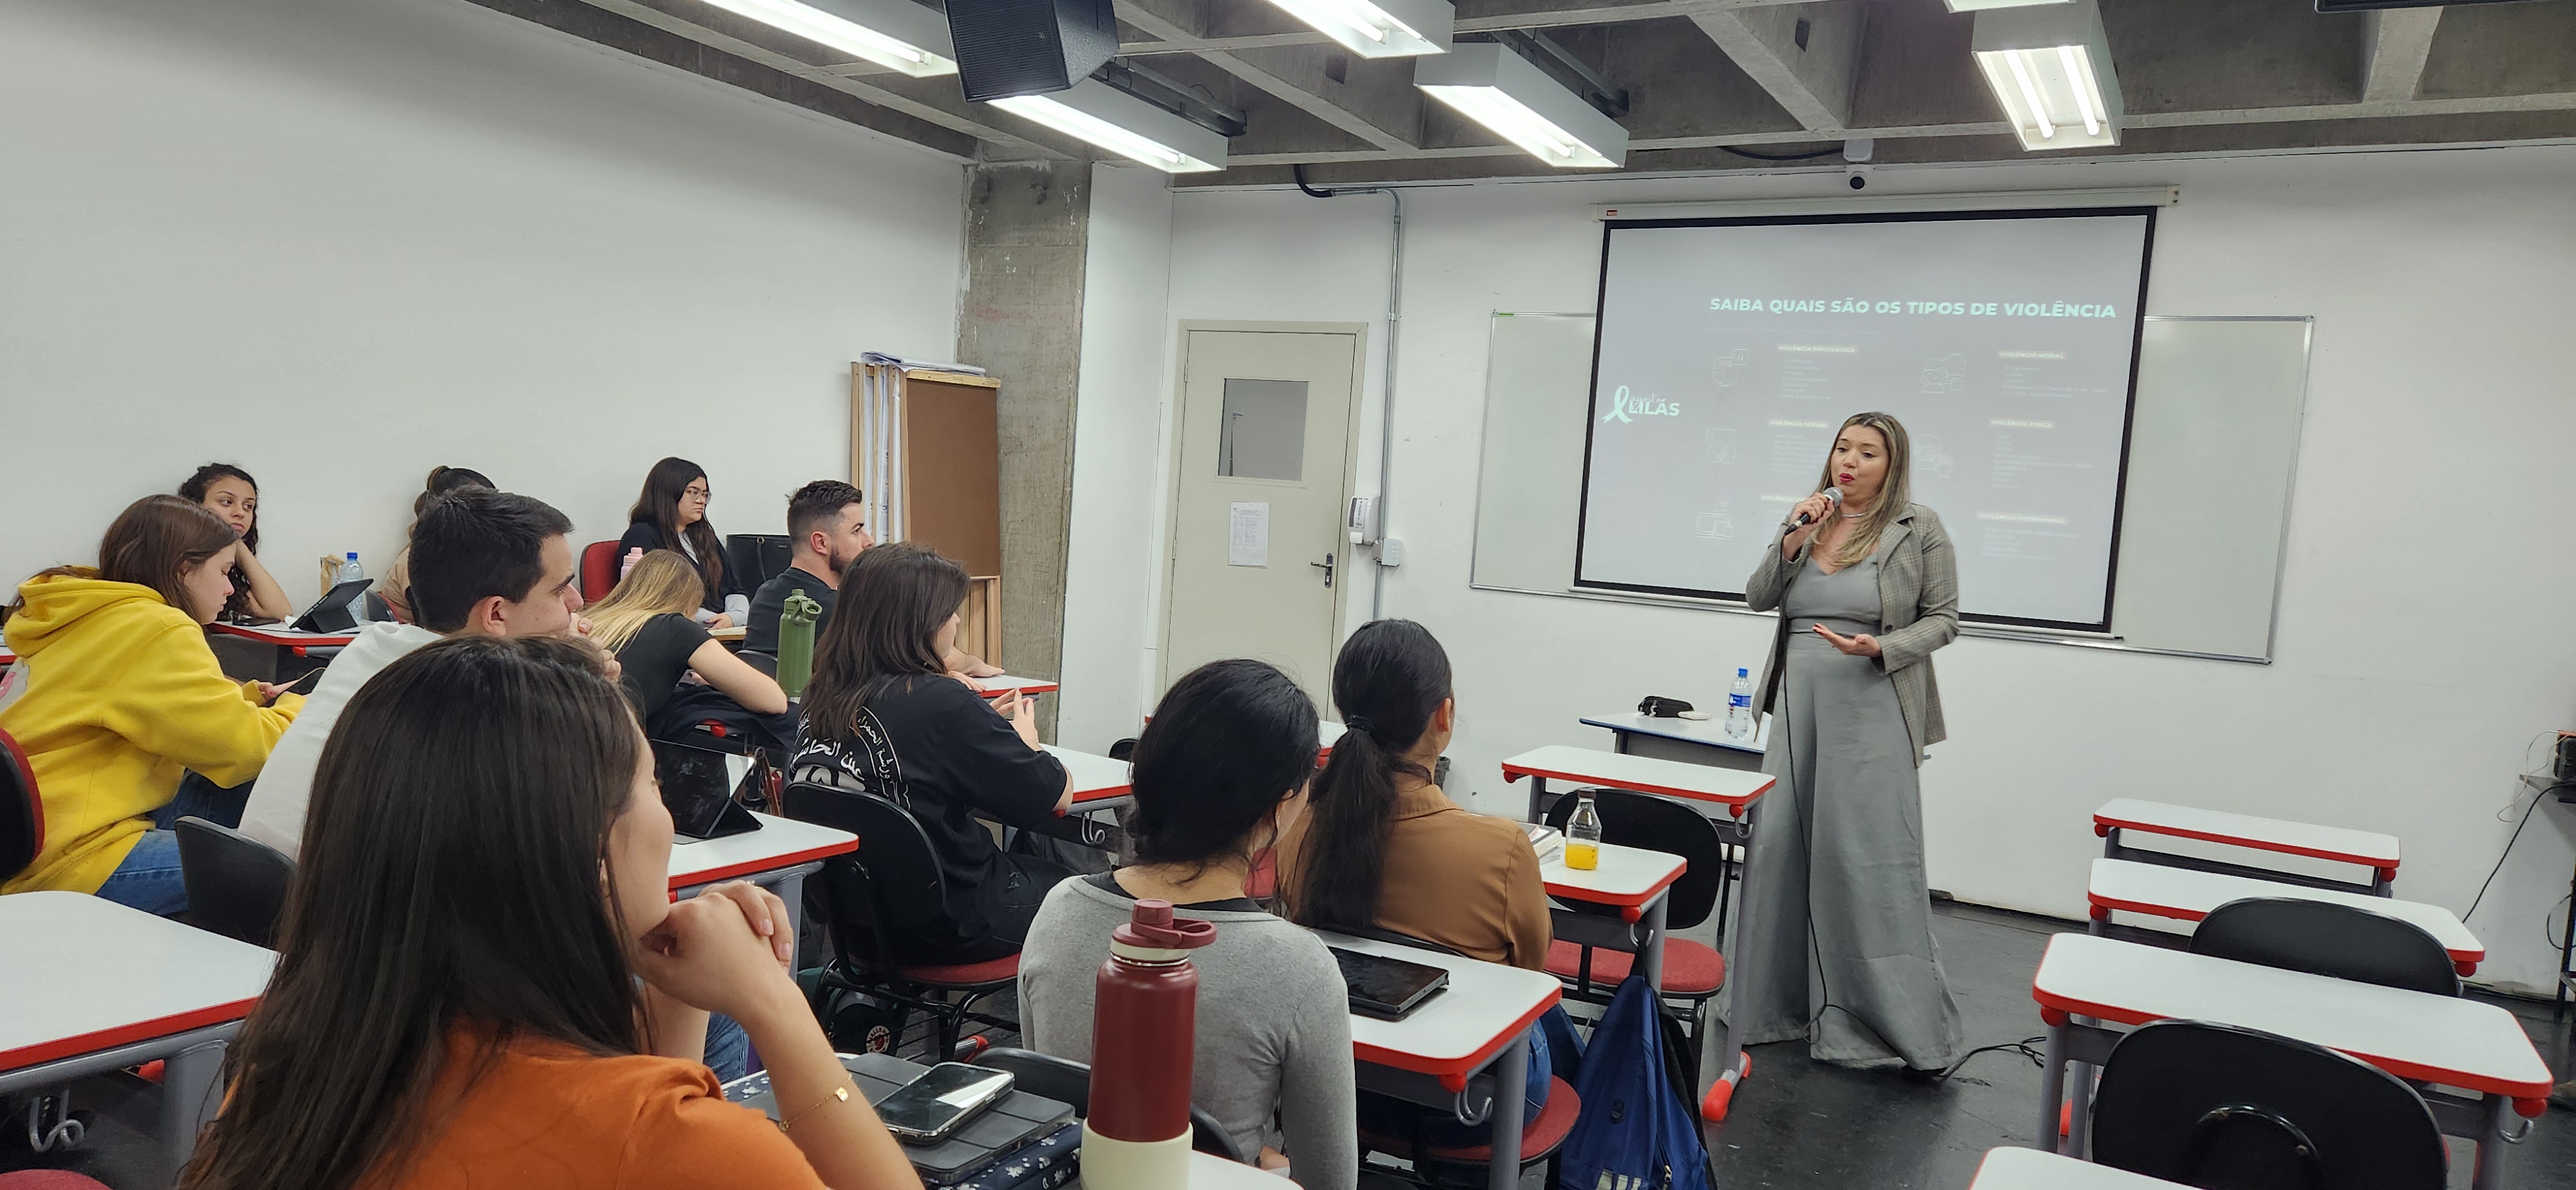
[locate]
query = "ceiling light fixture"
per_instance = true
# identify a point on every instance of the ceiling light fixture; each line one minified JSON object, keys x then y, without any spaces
{"x":1506,"y":93}
{"x":897,"y":34}
{"x":1379,"y":28}
{"x":2050,"y":69}
{"x":1096,"y":112}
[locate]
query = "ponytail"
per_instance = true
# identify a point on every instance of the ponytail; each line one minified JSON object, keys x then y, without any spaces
{"x":1391,"y":677}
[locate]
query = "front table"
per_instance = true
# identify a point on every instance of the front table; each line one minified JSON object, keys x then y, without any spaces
{"x":1481,"y":1021}
{"x":1735,"y":791}
{"x":2423,"y":1038}
{"x":778,"y":857}
{"x":92,"y":986}
{"x":1691,"y":741}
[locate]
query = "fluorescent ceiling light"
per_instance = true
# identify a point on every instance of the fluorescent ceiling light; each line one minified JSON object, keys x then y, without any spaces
{"x":1501,"y":90}
{"x":1379,"y":28}
{"x":897,"y":34}
{"x":1979,"y":5}
{"x":1096,"y":112}
{"x":2050,"y":69}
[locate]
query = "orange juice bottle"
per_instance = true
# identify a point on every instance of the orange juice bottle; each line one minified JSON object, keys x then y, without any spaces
{"x":1583,"y":836}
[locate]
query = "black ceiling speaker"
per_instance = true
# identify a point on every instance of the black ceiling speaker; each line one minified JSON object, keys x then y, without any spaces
{"x":2366,"y":5}
{"x":1029,"y":47}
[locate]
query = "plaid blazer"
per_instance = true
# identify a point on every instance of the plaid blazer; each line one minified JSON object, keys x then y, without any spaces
{"x":1918,"y":598}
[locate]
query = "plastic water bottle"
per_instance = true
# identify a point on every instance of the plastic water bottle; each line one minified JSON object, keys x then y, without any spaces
{"x":1583,"y":836}
{"x":351,"y":572}
{"x":633,"y":556}
{"x":1739,"y":707}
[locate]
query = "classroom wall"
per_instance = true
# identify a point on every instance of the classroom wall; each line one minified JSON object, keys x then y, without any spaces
{"x":339,"y":241}
{"x":2419,"y":646}
{"x":1119,"y":477}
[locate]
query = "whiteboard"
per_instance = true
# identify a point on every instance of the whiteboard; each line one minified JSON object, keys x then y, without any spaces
{"x":2213,"y":458}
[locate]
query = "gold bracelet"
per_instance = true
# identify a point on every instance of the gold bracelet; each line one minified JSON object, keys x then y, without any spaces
{"x":840,"y":1094}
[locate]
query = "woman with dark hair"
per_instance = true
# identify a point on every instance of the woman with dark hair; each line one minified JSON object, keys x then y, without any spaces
{"x":395,"y":591}
{"x":122,"y":694}
{"x":1221,"y":773}
{"x":481,"y":980}
{"x":1384,"y":846}
{"x":884,"y":714}
{"x":671,"y":514}
{"x":229,"y":492}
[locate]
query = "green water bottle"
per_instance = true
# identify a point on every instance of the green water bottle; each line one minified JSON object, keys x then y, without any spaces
{"x":796,"y":642}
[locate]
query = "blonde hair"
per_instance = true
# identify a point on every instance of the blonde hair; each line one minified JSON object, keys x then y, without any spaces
{"x":1894,"y":496}
{"x":662,"y":583}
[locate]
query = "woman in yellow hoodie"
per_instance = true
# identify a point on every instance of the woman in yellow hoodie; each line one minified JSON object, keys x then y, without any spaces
{"x":123,"y":695}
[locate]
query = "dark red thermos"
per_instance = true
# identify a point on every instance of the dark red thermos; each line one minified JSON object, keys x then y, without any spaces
{"x":1144,"y":1026}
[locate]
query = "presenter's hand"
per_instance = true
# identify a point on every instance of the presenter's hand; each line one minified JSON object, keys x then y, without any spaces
{"x":1863,"y":645}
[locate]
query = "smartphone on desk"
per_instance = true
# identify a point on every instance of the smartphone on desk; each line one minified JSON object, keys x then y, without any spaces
{"x":930,"y":1108}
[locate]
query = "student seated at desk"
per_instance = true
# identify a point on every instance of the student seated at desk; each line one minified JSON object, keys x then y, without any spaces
{"x":483,"y":981}
{"x":395,"y":590}
{"x":880,"y":685}
{"x":488,"y":564}
{"x":1383,"y":845}
{"x":671,"y":514}
{"x":645,"y":621}
{"x":828,"y":530}
{"x":229,"y":492}
{"x":1221,"y":771}
{"x":123,"y":694}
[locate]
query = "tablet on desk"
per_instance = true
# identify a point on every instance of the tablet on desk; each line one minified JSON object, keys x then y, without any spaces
{"x":697,"y":790}
{"x":1388,"y":989}
{"x":335,"y":610}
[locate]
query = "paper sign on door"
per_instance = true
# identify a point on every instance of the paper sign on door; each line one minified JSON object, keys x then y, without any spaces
{"x":1247,"y":535}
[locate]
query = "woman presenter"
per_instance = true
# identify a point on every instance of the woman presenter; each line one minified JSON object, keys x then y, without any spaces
{"x":1840,"y":930}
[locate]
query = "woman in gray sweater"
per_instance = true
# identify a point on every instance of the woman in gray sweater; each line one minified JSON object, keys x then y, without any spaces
{"x":1220,"y":771}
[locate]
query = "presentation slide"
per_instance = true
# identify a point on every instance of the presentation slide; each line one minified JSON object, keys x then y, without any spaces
{"x":1730,"y":350}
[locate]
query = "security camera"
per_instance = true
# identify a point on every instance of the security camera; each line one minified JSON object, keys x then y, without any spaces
{"x":1856,"y":154}
{"x":1857,"y":176}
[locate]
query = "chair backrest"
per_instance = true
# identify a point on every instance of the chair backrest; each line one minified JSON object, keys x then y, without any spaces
{"x":22,"y":813}
{"x":236,"y":884}
{"x":890,"y":887}
{"x":756,"y":558}
{"x":598,"y":570}
{"x":1069,"y":1081}
{"x":1657,"y":824}
{"x":2324,"y":938}
{"x":2229,"y":1108}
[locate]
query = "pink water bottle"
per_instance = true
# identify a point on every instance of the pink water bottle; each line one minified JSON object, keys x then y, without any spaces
{"x":633,"y":556}
{"x":1144,"y":1027}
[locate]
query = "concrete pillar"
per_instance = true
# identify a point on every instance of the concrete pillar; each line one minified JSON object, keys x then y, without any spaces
{"x":1020,"y":317}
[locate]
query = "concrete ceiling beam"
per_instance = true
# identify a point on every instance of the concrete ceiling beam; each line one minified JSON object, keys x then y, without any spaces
{"x":2395,"y":44}
{"x":1806,"y":55}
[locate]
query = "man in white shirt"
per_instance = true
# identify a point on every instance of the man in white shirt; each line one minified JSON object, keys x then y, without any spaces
{"x":482,"y":561}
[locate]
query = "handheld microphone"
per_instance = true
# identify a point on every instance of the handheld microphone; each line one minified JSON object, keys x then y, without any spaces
{"x":1833,"y":499}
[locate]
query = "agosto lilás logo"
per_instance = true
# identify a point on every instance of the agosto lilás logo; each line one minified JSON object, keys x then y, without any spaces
{"x":1625,"y":408}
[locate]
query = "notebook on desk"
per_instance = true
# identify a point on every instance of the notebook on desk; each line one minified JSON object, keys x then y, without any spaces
{"x":1015,"y":1123}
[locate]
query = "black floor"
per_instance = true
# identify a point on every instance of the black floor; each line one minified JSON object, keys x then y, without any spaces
{"x":1803,"y":1125}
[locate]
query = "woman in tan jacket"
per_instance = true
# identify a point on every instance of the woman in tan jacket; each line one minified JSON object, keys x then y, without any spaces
{"x":1382,"y":845}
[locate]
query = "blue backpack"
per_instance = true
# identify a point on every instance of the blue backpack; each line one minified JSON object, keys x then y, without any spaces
{"x":1636,"y":1131}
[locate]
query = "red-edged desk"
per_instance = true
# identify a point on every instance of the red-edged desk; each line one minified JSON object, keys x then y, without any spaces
{"x":2450,"y":1041}
{"x":1736,"y":791}
{"x":91,"y":986}
{"x":778,"y":856}
{"x":2030,"y":1169}
{"x":1480,"y":1022}
{"x":290,"y":654}
{"x":2183,"y":894}
{"x":2367,"y":849}
{"x":1001,"y":684}
{"x":1632,"y":880}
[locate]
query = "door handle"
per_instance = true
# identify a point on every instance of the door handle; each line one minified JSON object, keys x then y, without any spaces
{"x":1327,"y":565}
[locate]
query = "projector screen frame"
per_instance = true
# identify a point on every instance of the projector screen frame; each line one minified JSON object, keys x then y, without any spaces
{"x":1612,"y":223}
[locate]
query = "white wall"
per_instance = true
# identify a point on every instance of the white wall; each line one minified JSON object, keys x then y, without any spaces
{"x":1118,"y":450}
{"x":2421,"y":640}
{"x":339,"y":241}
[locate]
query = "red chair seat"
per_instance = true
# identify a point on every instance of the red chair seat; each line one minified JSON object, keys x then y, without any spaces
{"x":966,"y":975}
{"x":1690,"y":968}
{"x":1539,"y":1136}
